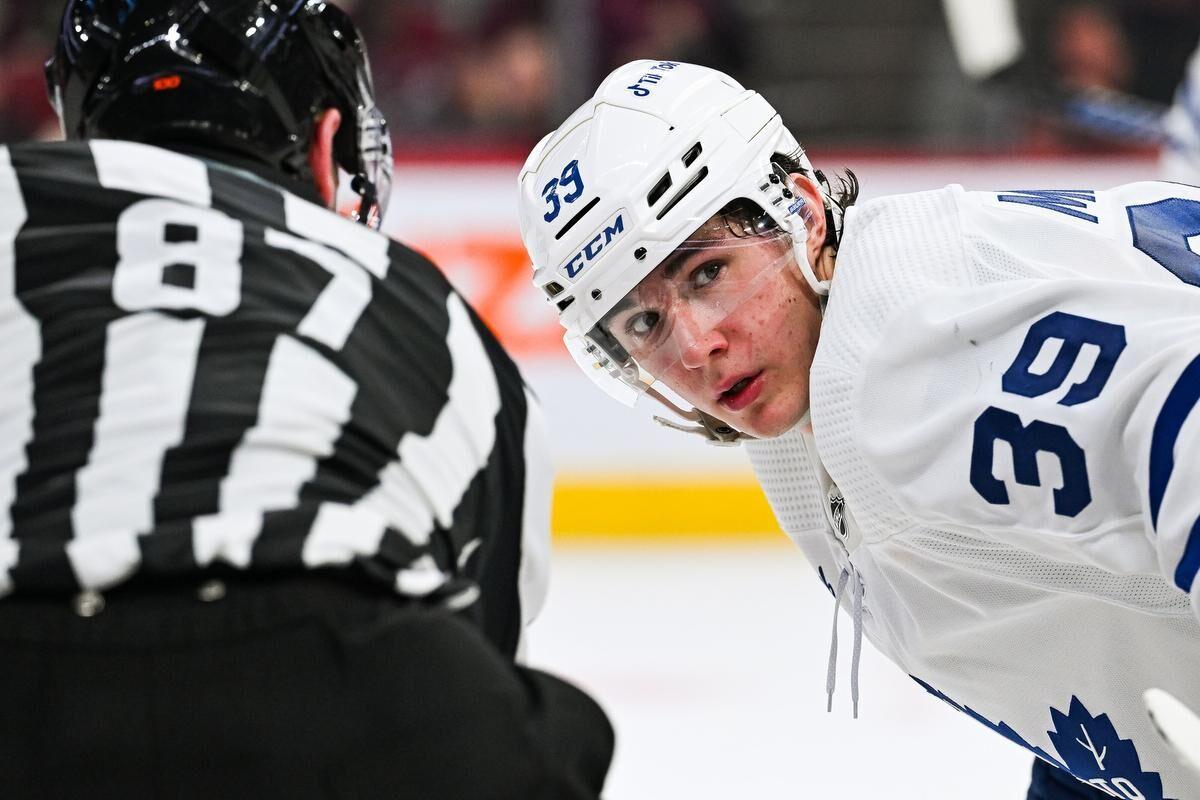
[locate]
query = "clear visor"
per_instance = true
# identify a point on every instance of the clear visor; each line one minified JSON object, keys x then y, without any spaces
{"x":675,"y":316}
{"x":375,"y":151}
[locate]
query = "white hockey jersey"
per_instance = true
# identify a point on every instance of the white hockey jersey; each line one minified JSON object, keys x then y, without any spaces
{"x":1003,"y":394}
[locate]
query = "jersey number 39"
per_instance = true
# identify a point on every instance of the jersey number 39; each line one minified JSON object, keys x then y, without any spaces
{"x":997,"y":424}
{"x":1164,"y":231}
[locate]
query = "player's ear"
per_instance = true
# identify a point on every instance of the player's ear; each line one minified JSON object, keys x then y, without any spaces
{"x":813,"y":214}
{"x":320,"y":155}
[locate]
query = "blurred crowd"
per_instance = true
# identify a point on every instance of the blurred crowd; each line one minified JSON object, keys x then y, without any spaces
{"x":1135,"y":46}
{"x":511,"y":69}
{"x":26,"y":30}
{"x":505,"y":71}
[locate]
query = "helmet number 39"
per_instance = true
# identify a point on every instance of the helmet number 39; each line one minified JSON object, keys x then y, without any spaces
{"x":570,"y":177}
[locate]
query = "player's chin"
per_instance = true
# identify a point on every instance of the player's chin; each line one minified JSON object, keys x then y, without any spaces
{"x":770,"y":429}
{"x":769,"y":420}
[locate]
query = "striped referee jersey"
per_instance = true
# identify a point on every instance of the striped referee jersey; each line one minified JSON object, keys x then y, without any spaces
{"x":201,"y":368}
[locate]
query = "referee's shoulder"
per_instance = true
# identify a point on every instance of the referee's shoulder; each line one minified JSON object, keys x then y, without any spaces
{"x":47,"y":148}
{"x":405,"y":256}
{"x":407,"y":262}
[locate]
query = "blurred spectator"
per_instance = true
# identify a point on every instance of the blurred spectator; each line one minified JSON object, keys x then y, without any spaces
{"x":26,"y":29}
{"x":708,"y":32}
{"x":506,"y":82}
{"x":1135,"y":46}
{"x":463,"y":67}
{"x":507,"y":69}
{"x":1162,"y":35}
{"x":1127,"y":56}
{"x":467,"y":67}
{"x":1089,"y":49}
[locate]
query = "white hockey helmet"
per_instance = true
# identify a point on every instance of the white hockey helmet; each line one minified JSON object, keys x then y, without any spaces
{"x":658,"y":150}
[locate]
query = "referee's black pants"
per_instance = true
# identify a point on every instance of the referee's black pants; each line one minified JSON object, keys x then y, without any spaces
{"x":296,"y":688}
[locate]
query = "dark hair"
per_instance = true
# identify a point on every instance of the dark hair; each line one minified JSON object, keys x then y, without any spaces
{"x":744,"y":217}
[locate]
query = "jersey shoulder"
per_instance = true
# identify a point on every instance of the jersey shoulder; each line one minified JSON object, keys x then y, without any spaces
{"x":899,"y":251}
{"x":895,"y":250}
{"x":1000,"y":398}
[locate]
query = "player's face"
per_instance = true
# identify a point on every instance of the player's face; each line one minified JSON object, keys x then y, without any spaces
{"x":731,"y":326}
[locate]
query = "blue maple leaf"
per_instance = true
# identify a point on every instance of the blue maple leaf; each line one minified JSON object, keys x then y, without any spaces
{"x":1095,"y":752}
{"x":1001,"y":728}
{"x":1090,"y":748}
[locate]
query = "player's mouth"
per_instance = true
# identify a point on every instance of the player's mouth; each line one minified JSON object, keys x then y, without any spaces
{"x":743,"y":392}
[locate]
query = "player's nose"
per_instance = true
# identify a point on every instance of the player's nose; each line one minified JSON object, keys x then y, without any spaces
{"x":698,"y":338}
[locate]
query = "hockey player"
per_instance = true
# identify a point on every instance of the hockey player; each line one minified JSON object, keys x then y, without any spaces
{"x":273,"y":501}
{"x":971,"y":410}
{"x":1181,"y":151}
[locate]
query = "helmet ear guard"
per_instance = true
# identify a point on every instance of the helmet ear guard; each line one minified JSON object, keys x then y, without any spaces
{"x":363,"y":149}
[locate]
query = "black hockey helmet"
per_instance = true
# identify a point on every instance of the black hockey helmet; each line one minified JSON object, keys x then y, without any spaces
{"x":246,"y":75}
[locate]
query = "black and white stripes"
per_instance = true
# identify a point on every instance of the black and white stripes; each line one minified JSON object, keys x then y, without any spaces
{"x":199,"y":367}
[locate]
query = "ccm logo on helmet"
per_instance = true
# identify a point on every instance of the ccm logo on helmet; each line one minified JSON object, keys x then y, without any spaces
{"x":610,"y":232}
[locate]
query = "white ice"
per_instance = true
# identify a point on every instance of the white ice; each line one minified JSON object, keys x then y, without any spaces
{"x":711,"y":662}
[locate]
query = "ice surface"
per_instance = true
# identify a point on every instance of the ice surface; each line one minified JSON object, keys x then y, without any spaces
{"x":711,"y":662}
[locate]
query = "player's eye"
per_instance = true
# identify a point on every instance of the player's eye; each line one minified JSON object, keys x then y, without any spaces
{"x":642,"y":324}
{"x":706,"y":273}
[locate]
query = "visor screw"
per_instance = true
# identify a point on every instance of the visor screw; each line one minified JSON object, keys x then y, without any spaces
{"x":773,"y":178}
{"x":788,"y":194}
{"x":640,"y":253}
{"x":724,"y":430}
{"x":596,"y":294}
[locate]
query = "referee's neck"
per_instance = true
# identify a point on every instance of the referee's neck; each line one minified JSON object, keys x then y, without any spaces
{"x":240,"y":161}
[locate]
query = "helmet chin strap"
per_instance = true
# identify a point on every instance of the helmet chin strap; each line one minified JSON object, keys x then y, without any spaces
{"x":798,"y":219}
{"x":708,"y":426}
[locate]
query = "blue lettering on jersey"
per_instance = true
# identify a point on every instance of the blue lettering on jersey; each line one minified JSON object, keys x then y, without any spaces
{"x":1168,"y":231}
{"x":1064,"y":201}
{"x":1165,"y":231}
{"x":1073,"y":332}
{"x":1088,"y":747}
{"x":1027,"y":441}
{"x":1183,"y":397}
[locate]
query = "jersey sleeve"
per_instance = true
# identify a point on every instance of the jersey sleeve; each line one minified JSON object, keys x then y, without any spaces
{"x":1052,"y":414}
{"x":533,"y":580}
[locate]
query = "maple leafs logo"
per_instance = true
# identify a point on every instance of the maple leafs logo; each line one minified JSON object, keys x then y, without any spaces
{"x":1090,"y":749}
{"x":1095,"y":753}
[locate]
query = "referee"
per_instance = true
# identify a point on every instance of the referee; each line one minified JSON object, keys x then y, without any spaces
{"x":273,"y":501}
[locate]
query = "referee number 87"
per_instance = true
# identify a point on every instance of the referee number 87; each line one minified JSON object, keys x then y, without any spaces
{"x":173,"y":255}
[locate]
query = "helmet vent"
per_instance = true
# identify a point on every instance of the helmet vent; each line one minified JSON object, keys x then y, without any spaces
{"x":571,"y":222}
{"x":692,"y":155}
{"x":562,"y":304}
{"x":683,"y":192}
{"x":553,"y":288}
{"x":659,"y":189}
